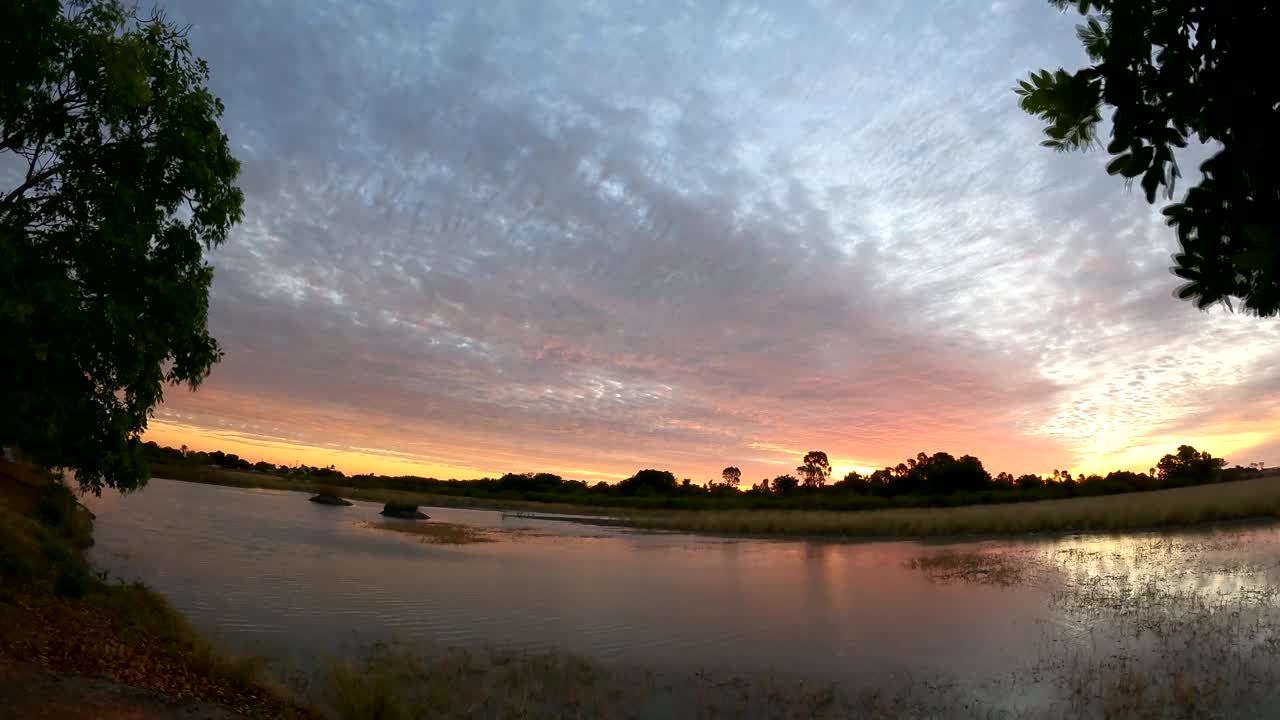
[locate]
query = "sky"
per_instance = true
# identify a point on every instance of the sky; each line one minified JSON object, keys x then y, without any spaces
{"x":593,"y":237}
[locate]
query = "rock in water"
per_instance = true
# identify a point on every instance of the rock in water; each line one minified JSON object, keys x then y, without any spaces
{"x":329,"y":499}
{"x":403,"y":511}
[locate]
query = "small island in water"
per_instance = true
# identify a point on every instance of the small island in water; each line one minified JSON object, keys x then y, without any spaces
{"x":329,"y":496}
{"x":403,"y":511}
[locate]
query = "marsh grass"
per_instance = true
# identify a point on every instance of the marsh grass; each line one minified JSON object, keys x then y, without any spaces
{"x":245,"y":479}
{"x":437,"y":533}
{"x":398,"y":683}
{"x":1155,"y":651}
{"x":1253,"y":499}
{"x":979,"y":566}
{"x":1147,"y":627}
{"x":1244,"y":500}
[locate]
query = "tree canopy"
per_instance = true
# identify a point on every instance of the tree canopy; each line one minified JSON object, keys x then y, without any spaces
{"x":648,"y":482}
{"x":1172,"y":70}
{"x":814,"y":469}
{"x":114,"y":179}
{"x":1188,"y":466}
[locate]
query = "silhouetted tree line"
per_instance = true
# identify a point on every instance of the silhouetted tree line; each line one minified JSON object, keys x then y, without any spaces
{"x":158,"y":455}
{"x":940,"y":479}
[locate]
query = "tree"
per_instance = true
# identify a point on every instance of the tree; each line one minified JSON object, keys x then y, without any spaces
{"x":785,"y":483}
{"x":648,"y":482}
{"x":731,"y":476}
{"x":1029,"y":481}
{"x":815,"y":469}
{"x":123,"y":178}
{"x":1171,"y":70}
{"x":1189,"y":466}
{"x":854,"y":482}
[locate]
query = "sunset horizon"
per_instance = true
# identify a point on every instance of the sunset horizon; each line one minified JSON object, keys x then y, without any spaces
{"x":467,"y":252}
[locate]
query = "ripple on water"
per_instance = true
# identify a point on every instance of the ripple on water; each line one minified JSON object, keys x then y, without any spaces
{"x":273,"y":567}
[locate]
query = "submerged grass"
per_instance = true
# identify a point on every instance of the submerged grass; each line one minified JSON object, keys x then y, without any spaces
{"x":981,"y":566}
{"x":437,"y":533}
{"x":1141,"y":628}
{"x":397,"y":682}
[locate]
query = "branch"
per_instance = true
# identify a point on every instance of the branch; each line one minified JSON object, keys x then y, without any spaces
{"x":64,"y":103}
{"x":32,"y":181}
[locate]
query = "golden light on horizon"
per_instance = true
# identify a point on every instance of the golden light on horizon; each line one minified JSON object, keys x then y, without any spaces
{"x":348,"y":460}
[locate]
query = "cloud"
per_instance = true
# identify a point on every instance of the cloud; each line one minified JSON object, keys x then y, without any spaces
{"x":604,"y":236}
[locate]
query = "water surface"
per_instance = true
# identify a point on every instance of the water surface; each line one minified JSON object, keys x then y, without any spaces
{"x":268,"y":570}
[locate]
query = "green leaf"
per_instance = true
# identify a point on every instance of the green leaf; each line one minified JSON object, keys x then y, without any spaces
{"x":1151,"y":183}
{"x":140,"y":180}
{"x":1119,"y":164}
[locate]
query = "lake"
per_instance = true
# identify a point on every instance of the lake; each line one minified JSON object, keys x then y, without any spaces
{"x":1012,"y":622}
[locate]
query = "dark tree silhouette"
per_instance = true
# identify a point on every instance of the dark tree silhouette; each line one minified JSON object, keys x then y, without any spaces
{"x":731,"y":476}
{"x":1188,"y":466}
{"x":785,"y":484}
{"x":815,"y":469}
{"x":854,"y":482}
{"x":648,"y":482}
{"x":123,"y":179}
{"x":1173,"y":70}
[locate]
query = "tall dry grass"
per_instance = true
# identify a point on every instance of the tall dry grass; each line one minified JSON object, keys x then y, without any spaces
{"x":1257,"y":498}
{"x":245,"y":479}
{"x":1246,"y":499}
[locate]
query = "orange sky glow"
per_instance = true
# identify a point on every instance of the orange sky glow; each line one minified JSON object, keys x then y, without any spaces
{"x":462,"y":256}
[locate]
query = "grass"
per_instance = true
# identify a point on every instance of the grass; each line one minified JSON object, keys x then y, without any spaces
{"x":982,"y":566}
{"x":245,"y":479}
{"x":1131,"y":632}
{"x":398,"y":683}
{"x":1257,"y":498}
{"x":1243,"y":500}
{"x":60,"y":614}
{"x":437,"y":533}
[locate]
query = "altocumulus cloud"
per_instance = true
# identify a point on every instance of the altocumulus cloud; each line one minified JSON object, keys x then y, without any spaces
{"x":595,"y":236}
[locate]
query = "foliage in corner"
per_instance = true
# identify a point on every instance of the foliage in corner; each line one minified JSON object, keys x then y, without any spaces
{"x":114,"y":179}
{"x":1172,"y":70}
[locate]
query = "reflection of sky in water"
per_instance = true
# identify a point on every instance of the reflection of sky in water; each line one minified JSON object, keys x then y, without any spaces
{"x":270,"y":564}
{"x":1221,"y":562}
{"x":289,"y":579}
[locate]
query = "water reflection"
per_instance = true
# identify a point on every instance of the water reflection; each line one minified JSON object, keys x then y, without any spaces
{"x":267,"y":568}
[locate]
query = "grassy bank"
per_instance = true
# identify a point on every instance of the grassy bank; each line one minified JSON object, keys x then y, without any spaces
{"x":1244,"y":500}
{"x":1253,"y":499}
{"x":63,"y":618}
{"x":247,"y":479}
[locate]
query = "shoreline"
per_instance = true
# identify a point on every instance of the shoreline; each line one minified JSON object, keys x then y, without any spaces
{"x":1251,"y":501}
{"x":74,"y":641}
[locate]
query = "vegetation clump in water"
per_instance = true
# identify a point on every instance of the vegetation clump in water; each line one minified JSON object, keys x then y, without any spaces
{"x":403,"y":511}
{"x":437,"y":533}
{"x":328,"y":495}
